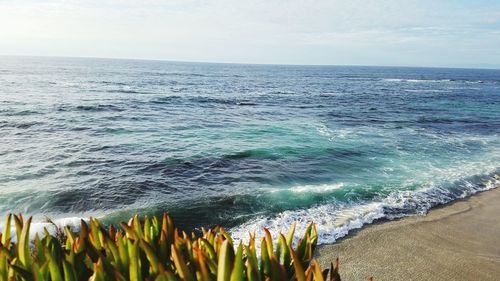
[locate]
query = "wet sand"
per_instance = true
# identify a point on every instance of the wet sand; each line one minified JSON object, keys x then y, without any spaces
{"x":458,"y":241}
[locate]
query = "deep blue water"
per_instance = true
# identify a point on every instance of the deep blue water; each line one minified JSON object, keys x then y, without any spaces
{"x":244,"y":146}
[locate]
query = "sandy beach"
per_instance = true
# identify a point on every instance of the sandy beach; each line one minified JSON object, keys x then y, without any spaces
{"x":458,"y":241}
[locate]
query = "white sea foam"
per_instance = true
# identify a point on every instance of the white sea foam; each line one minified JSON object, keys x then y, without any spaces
{"x":333,"y":134}
{"x":335,"y":220}
{"x":316,"y":188}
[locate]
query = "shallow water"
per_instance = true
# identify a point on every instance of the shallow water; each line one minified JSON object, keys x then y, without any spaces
{"x":244,"y":146}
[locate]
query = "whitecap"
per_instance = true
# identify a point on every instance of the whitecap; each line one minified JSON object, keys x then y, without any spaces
{"x":316,"y":188}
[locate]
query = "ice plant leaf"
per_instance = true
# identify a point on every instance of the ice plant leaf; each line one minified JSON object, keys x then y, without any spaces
{"x":181,"y":266}
{"x":18,"y":222}
{"x":54,"y":270}
{"x":224,"y":264}
{"x":238,"y":274}
{"x":291,"y":233}
{"x":69,"y":272}
{"x":317,"y":273}
{"x":299,"y":270}
{"x":156,"y":266}
{"x":6,"y":231}
{"x":265,"y":260}
{"x":23,"y":248}
{"x":134,"y":266}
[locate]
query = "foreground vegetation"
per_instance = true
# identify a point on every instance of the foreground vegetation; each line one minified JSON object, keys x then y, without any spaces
{"x":153,"y":249}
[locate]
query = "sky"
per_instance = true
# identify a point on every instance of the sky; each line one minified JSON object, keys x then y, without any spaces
{"x":438,"y":33}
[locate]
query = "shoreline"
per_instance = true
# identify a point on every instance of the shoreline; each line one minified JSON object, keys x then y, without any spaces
{"x":459,"y":240}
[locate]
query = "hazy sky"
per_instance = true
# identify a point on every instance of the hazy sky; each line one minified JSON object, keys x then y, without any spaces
{"x":385,"y":32}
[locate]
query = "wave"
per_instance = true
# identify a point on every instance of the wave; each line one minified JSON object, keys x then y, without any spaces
{"x":426,"y":91}
{"x":115,"y":83}
{"x":281,"y":93}
{"x":405,"y":80}
{"x":166,"y":100}
{"x":91,"y":108}
{"x":316,"y":188}
{"x":336,"y":219}
{"x":399,"y":80}
{"x":246,"y":103}
{"x":173,"y":74}
{"x":282,"y":152}
{"x":123,"y":91}
{"x":20,"y":125}
{"x":20,"y":113}
{"x":308,"y":188}
{"x":444,"y":120}
{"x":211,"y":100}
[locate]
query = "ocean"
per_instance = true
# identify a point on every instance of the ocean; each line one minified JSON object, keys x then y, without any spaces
{"x":243,"y":146}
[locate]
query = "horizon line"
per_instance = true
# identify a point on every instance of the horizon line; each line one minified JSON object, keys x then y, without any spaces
{"x":493,"y":67}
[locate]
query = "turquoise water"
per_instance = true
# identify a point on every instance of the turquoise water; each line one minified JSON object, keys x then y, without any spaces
{"x":244,"y":146}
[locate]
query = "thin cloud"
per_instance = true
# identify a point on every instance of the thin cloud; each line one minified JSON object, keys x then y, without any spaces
{"x":387,"y":32}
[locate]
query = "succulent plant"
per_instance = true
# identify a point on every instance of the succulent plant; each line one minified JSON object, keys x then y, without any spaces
{"x":153,"y":249}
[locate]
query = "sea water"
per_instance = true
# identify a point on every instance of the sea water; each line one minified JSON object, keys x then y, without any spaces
{"x":243,"y":146}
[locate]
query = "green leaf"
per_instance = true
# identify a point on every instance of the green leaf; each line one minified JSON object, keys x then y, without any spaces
{"x":21,"y":272}
{"x":204,"y":275}
{"x":289,"y":237}
{"x":314,"y":237}
{"x":122,"y":252}
{"x":265,"y":260}
{"x":96,"y":233}
{"x":99,"y":272}
{"x":317,"y":273}
{"x":136,"y":224}
{"x":238,"y":274}
{"x":6,"y":231}
{"x":277,"y":270}
{"x":69,"y":271}
{"x":4,"y":266}
{"x":55,"y":273}
{"x":112,"y":251}
{"x":156,"y":226}
{"x":224,"y":264}
{"x":4,"y":251}
{"x":134,"y":266}
{"x":180,"y":265}
{"x":251,"y":257}
{"x":148,"y":231}
{"x":226,"y":235}
{"x":252,"y":273}
{"x":23,"y":248}
{"x":166,"y":276}
{"x":40,"y":253}
{"x":269,"y":242}
{"x":205,"y":245}
{"x":299,"y":270}
{"x":18,"y":222}
{"x":38,"y":273}
{"x":70,"y":239}
{"x":129,"y":231}
{"x":163,"y":247}
{"x":286,"y":257}
{"x":155,"y":264}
